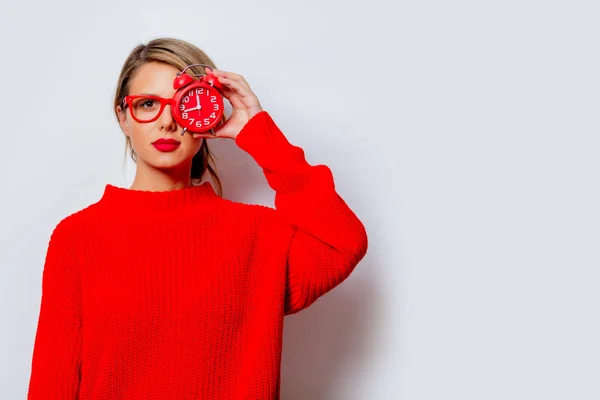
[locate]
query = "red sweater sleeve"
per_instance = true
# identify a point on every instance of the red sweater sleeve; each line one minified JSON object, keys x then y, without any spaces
{"x":329,"y":240}
{"x":56,"y":362}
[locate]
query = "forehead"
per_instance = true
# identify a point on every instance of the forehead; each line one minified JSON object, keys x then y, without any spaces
{"x":154,"y":77}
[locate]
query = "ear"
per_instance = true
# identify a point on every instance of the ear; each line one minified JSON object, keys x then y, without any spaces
{"x":123,"y":120}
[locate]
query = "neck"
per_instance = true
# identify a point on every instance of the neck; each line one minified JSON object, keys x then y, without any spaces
{"x":155,"y":180}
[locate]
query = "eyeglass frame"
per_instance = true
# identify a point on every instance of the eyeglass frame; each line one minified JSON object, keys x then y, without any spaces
{"x":128,"y":102}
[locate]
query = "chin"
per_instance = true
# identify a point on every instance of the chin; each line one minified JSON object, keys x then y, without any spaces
{"x":166,"y":163}
{"x":166,"y":160}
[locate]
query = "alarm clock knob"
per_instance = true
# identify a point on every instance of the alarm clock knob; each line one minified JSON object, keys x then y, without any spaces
{"x":182,"y":80}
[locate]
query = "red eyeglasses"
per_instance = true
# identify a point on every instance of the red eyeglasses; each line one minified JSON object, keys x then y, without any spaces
{"x":146,"y":108}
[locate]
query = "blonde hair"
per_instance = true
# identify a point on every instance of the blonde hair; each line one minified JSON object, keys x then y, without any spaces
{"x":179,"y":54}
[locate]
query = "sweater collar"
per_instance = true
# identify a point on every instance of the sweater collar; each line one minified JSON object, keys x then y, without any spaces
{"x":200,"y":196}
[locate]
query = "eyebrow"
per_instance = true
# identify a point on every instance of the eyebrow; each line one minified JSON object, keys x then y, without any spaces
{"x":140,"y":94}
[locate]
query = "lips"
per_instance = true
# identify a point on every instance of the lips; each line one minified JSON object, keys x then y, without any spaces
{"x":166,"y":141}
{"x":166,"y":144}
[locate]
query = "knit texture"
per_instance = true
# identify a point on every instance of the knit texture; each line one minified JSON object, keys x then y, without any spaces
{"x":182,"y":294}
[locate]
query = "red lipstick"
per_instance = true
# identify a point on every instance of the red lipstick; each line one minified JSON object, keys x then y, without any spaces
{"x":166,"y":144}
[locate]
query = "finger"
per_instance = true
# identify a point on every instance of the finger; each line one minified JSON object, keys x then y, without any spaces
{"x":237,"y":86}
{"x":233,"y":76}
{"x":204,"y":135}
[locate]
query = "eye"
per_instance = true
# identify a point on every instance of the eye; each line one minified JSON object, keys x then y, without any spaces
{"x":148,"y":103}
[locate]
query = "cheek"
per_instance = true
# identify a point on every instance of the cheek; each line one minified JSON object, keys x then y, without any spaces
{"x":140,"y":138}
{"x":139,"y":133}
{"x":192,"y":146}
{"x":198,"y":144}
{"x":190,"y":142}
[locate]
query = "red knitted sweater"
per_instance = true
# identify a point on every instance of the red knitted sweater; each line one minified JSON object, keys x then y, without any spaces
{"x":181,"y":294}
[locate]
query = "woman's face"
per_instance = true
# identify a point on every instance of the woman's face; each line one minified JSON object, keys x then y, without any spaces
{"x":156,"y":78}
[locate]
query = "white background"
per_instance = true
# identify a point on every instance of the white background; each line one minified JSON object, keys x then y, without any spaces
{"x":464,"y":134}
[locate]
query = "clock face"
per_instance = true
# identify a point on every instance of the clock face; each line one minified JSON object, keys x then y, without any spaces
{"x":199,"y":107}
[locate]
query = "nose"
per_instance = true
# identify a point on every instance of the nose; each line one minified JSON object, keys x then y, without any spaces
{"x":166,"y":119}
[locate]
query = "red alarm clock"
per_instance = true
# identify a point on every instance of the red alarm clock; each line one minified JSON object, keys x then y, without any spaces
{"x":198,"y":103}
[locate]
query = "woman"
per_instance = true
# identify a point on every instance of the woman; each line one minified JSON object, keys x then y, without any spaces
{"x":165,"y":290}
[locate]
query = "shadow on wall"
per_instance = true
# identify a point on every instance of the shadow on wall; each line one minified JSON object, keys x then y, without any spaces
{"x":328,"y":344}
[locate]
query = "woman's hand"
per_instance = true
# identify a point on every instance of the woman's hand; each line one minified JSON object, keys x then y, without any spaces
{"x":244,"y":103}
